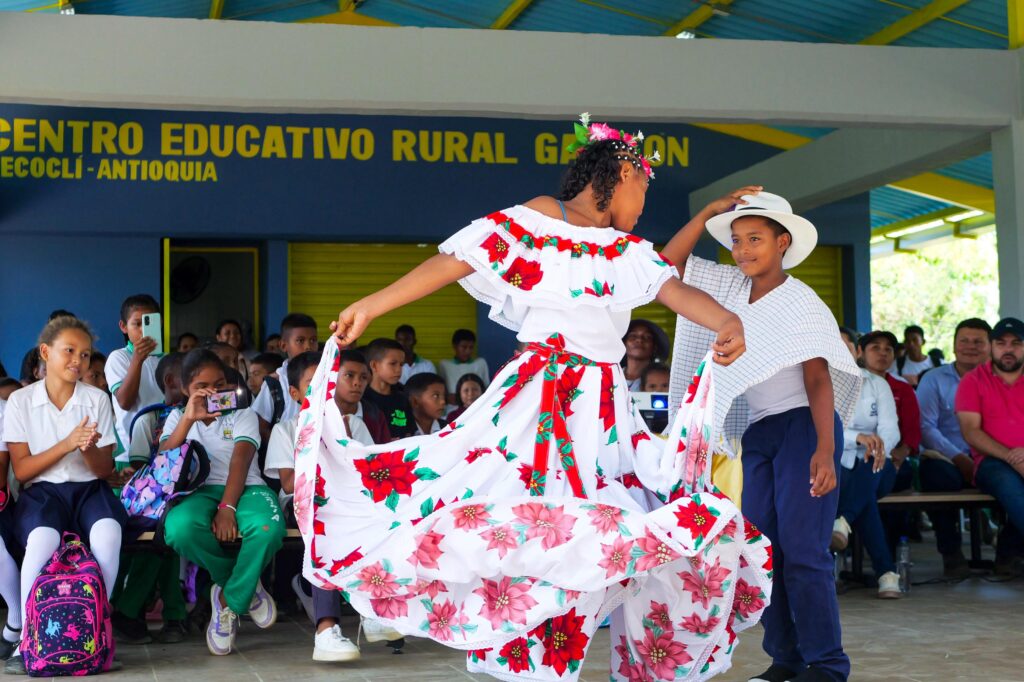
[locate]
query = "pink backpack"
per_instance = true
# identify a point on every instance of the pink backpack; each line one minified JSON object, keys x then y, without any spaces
{"x":67,"y":626}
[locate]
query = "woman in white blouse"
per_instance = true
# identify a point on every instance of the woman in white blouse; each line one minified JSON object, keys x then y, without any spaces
{"x":869,"y":439}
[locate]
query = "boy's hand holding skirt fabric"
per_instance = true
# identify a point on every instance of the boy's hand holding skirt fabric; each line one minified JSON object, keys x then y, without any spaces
{"x":514,"y":531}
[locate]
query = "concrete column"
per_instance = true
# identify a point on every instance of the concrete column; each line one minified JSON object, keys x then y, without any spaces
{"x":275,"y":288}
{"x":1008,"y":172}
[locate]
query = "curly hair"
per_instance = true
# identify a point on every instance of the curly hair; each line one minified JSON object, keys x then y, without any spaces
{"x":597,"y":164}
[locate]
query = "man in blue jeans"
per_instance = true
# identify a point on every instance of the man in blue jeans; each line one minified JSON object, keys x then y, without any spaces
{"x":946,"y":465}
{"x":990,"y":406}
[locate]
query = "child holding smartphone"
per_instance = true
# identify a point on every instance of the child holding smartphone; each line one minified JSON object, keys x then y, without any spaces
{"x":234,"y":503}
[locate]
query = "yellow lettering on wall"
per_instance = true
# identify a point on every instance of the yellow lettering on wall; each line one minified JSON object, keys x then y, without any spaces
{"x":298,"y":135}
{"x":337,"y":142}
{"x":679,"y":152}
{"x":222,"y":140}
{"x":24,"y":134}
{"x":362,"y":144}
{"x":5,"y":131}
{"x":403,"y":143}
{"x":482,"y":150}
{"x":499,"y":150}
{"x":50,"y":138}
{"x":273,"y":143}
{"x":431,"y":145}
{"x":455,"y":144}
{"x":78,"y":135}
{"x":170,"y":139}
{"x":246,"y":145}
{"x":103,"y":133}
{"x":197,"y":139}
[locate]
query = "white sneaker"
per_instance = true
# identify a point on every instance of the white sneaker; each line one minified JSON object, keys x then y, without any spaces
{"x":262,"y":608}
{"x":331,"y":645}
{"x":220,"y":633}
{"x":840,"y":535}
{"x":889,"y":586}
{"x":304,"y":599}
{"x":376,"y":631}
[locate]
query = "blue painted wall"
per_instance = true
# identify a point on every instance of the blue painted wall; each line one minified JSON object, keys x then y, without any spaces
{"x":86,"y":243}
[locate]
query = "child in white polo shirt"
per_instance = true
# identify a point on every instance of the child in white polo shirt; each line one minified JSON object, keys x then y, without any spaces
{"x":131,"y":371}
{"x":60,"y":434}
{"x":462,"y":362}
{"x":298,"y":335}
{"x":234,"y":503}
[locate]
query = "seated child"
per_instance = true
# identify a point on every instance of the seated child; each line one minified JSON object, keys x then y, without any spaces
{"x":298,"y":335}
{"x":187,"y":342}
{"x":353,"y":379}
{"x":234,"y":503}
{"x":386,"y":357}
{"x":427,"y":399}
{"x":468,"y":389}
{"x":131,"y":371}
{"x":10,"y":587}
{"x":654,"y":379}
{"x":60,"y":434}
{"x":228,"y":354}
{"x":146,"y":572}
{"x":329,"y":644}
{"x":95,"y":375}
{"x":463,"y":345}
{"x":264,"y":364}
{"x":273,"y":344}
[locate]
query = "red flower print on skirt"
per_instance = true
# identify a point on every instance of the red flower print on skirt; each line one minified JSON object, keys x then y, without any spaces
{"x":523,"y":274}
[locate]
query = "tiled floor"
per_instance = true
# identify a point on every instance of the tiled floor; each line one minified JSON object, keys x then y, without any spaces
{"x":969,"y":631}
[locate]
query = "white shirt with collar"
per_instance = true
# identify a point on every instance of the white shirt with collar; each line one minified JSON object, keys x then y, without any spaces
{"x":30,"y":417}
{"x":875,"y":413}
{"x":264,"y":403}
{"x":219,"y":438}
{"x":434,"y":428}
{"x":418,"y":366}
{"x":3,"y":445}
{"x":115,"y":371}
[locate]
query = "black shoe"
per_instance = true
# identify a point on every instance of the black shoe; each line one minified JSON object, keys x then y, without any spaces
{"x":955,"y":566}
{"x":173,"y":631}
{"x":130,"y":630}
{"x":15,"y":666}
{"x":776,"y":673}
{"x":813,"y":674}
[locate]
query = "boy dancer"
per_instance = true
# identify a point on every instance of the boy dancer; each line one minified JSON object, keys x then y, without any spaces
{"x":783,"y":396}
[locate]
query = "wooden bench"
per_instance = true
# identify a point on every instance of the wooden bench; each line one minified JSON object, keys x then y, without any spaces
{"x":290,"y":534}
{"x":973,"y":501}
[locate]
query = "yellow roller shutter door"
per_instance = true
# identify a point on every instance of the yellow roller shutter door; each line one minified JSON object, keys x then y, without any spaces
{"x":324,"y":278}
{"x":821,"y":271}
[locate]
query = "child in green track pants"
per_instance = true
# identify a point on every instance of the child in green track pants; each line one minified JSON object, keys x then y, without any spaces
{"x":234,"y":504}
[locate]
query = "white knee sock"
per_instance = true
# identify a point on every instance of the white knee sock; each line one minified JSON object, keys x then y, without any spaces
{"x":41,"y":544}
{"x":105,"y":543}
{"x":10,"y":590}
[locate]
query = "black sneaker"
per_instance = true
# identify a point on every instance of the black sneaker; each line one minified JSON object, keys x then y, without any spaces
{"x":955,"y":566}
{"x":173,"y":631}
{"x":130,"y":630}
{"x":15,"y":666}
{"x":776,"y":673}
{"x":7,"y":648}
{"x":813,"y":674}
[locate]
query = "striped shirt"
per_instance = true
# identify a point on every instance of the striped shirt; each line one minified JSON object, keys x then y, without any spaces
{"x":786,"y":327}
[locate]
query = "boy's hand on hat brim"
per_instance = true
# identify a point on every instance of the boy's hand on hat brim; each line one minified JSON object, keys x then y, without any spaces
{"x":734,"y":198}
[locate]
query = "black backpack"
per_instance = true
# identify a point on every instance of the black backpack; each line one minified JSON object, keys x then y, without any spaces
{"x":272,"y":384}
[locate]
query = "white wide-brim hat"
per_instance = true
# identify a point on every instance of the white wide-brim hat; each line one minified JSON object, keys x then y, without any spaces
{"x":805,"y":235}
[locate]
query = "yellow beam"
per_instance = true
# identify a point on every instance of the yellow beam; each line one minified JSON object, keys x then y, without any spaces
{"x":931,"y":185}
{"x":511,"y":13}
{"x":913,"y":21}
{"x":898,"y":225}
{"x":216,"y":9}
{"x":697,"y":17}
{"x":350,"y":18}
{"x":1015,"y":21}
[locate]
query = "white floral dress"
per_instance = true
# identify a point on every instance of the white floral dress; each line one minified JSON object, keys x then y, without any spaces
{"x":548,"y":505}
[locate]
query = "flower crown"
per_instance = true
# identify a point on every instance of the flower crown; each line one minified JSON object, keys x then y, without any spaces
{"x":588,"y":133}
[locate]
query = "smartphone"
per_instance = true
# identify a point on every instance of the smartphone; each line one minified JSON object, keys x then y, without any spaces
{"x":152,"y":328}
{"x":228,"y":400}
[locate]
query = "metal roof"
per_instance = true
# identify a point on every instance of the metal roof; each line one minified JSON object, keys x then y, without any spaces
{"x":973,"y":24}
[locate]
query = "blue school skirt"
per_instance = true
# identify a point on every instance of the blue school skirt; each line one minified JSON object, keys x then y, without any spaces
{"x":73,"y":507}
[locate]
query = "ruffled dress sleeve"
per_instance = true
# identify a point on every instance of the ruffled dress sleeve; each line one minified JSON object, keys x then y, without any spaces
{"x":523,"y":259}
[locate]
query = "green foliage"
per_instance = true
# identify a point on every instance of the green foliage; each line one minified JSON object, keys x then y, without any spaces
{"x":936,"y":288}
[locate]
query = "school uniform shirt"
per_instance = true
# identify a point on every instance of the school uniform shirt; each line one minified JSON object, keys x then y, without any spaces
{"x":875,"y":413}
{"x":116,"y":370}
{"x":395,"y":407}
{"x":1001,"y":406}
{"x":434,"y":428}
{"x":418,"y":366}
{"x":3,"y":444}
{"x":31,"y":418}
{"x":147,"y":433}
{"x":263,"y":406}
{"x":911,"y":367}
{"x":219,"y":438}
{"x":453,"y":370}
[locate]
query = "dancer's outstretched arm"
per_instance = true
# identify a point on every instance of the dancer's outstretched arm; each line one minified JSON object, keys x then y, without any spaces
{"x":702,"y":309}
{"x":681,"y":246}
{"x":426,"y":278}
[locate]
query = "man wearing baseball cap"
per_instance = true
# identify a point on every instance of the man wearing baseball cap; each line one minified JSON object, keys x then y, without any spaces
{"x":990,"y":406}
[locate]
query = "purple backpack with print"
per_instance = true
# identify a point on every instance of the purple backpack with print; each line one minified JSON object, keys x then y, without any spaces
{"x":168,"y":476}
{"x":67,"y":624}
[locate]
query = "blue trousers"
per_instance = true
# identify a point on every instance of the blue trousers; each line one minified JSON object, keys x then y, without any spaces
{"x":939,"y":476}
{"x":801,"y":625}
{"x":859,"y":490}
{"x":1001,"y":481}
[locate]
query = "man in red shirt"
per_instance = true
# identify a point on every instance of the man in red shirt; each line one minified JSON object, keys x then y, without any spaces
{"x":990,"y":407}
